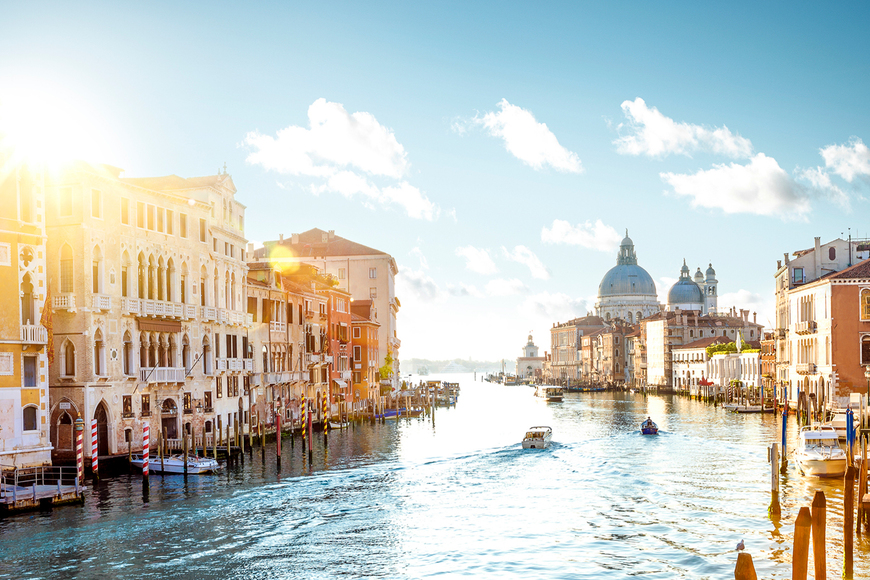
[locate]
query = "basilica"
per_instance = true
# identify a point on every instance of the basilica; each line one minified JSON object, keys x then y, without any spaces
{"x":628,"y":292}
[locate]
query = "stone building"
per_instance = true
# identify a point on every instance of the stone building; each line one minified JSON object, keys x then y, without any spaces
{"x":698,"y":294}
{"x":24,"y":402}
{"x":364,"y":272}
{"x":530,"y":365}
{"x":565,"y":347}
{"x":148,"y":281}
{"x":366,"y":355}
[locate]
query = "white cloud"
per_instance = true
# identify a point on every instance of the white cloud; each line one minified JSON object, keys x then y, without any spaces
{"x":761,"y":187}
{"x":821,"y":182}
{"x":656,"y":135}
{"x":528,"y":140}
{"x":418,"y":284}
{"x":663,"y":285}
{"x":525,"y":256}
{"x":596,"y":236}
{"x":477,"y":259}
{"x":341,"y":153}
{"x":848,"y":161}
{"x":418,"y":253}
{"x":463,"y":290}
{"x":553,"y":307}
{"x":503,"y":287}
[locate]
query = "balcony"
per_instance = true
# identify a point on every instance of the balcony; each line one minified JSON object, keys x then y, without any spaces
{"x":278,"y":326}
{"x":64,"y":302}
{"x":394,"y":342}
{"x":309,"y":315}
{"x":189,"y":311}
{"x":346,"y":375}
{"x":131,"y":306}
{"x":249,"y":319}
{"x":806,"y":369}
{"x":312,"y":359}
{"x":33,"y":334}
{"x":249,"y":364}
{"x":805,"y":327}
{"x":209,"y":313}
{"x":162,"y":374}
{"x":327,"y":359}
{"x":155,"y":308}
{"x":101,"y":302}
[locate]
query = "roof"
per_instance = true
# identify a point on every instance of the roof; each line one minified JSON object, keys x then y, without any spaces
{"x":704,"y":343}
{"x":174,"y":182}
{"x":859,"y":270}
{"x":311,"y":244}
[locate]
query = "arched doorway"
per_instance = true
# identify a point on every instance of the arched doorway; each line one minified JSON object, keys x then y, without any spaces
{"x":63,"y":434}
{"x":169,"y":418}
{"x":102,"y":417}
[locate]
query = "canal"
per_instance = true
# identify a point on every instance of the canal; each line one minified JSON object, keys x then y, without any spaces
{"x":456,"y":498}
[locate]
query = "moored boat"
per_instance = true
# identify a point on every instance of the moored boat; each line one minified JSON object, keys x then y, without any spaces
{"x":175,"y":464}
{"x":648,"y":427}
{"x":839,"y":422}
{"x":549,"y":392}
{"x":819,"y":453}
{"x":538,"y":437}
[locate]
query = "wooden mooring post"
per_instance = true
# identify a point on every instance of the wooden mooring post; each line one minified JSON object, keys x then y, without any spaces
{"x":819,"y":517}
{"x":184,"y":450}
{"x":745,"y":569}
{"x":775,"y":509}
{"x":161,"y":447}
{"x":848,"y":521}
{"x":862,"y":486}
{"x":801,"y":551}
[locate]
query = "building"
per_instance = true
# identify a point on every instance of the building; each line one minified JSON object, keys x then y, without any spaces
{"x":366,"y":355}
{"x":667,"y":330}
{"x":364,"y":272}
{"x":698,"y":294}
{"x":24,"y":341}
{"x":148,"y":280}
{"x":819,"y":361}
{"x":565,"y":347}
{"x":530,"y":365}
{"x":689,"y":364}
{"x":627,"y":291}
{"x":768,"y":362}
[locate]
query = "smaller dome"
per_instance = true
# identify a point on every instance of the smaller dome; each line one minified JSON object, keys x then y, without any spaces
{"x":711,"y":273}
{"x":684,"y":291}
{"x":699,"y":277}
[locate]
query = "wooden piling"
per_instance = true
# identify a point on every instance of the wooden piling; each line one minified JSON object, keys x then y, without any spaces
{"x":162,"y":449}
{"x":848,"y":520}
{"x":229,"y":443}
{"x":775,"y":509}
{"x":745,"y":569}
{"x":862,"y":486}
{"x":801,"y":552}
{"x":184,"y":451}
{"x":819,"y":517}
{"x":129,"y":454}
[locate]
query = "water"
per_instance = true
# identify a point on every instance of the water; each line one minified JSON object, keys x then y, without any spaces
{"x":457,"y":499}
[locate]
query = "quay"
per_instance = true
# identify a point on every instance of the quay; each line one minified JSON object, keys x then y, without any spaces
{"x":34,"y":488}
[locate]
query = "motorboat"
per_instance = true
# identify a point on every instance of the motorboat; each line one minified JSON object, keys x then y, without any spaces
{"x":537,"y":437}
{"x":175,"y":464}
{"x":839,"y":422}
{"x":549,"y":392}
{"x":818,"y":453}
{"x":752,"y":409}
{"x":338,"y":425}
{"x":402,"y":412}
{"x":649,"y":428}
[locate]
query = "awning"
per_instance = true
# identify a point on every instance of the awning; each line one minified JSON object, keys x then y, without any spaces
{"x":159,"y":325}
{"x":341,"y":384}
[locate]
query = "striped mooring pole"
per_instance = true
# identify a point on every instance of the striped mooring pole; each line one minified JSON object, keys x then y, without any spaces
{"x":80,"y":453}
{"x":304,"y":420}
{"x":146,"y":448}
{"x":325,"y":416}
{"x":95,"y":467}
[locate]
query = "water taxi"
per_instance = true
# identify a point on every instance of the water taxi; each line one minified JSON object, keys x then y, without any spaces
{"x":818,"y":453}
{"x":537,"y":437}
{"x":549,"y":392}
{"x":648,"y":427}
{"x":175,"y":464}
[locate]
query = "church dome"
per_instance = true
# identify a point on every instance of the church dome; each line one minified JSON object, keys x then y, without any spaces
{"x":699,"y":277}
{"x":627,"y":278}
{"x":685,"y":292}
{"x":711,"y":273}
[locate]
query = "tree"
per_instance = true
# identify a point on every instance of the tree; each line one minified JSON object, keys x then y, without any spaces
{"x":387,"y":370}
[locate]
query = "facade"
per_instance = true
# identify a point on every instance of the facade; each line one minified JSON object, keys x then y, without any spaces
{"x":627,"y":291}
{"x":819,"y":324}
{"x":667,"y":330}
{"x":339,"y":359}
{"x":565,"y":347}
{"x":690,"y":364}
{"x":364,"y":272}
{"x":366,"y":355}
{"x":768,"y":361}
{"x":148,"y":286}
{"x":530,"y":365}
{"x":24,"y":353}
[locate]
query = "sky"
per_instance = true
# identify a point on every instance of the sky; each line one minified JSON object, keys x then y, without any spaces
{"x":499,"y":151}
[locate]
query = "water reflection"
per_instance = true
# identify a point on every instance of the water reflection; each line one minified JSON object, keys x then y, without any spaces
{"x":410,"y":499}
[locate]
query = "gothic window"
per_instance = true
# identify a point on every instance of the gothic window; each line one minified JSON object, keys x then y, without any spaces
{"x":68,"y":359}
{"x":127,"y":356}
{"x":99,"y":354}
{"x":28,"y":314}
{"x":865,"y":304}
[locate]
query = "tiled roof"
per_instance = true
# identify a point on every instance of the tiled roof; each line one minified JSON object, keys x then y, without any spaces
{"x":311,"y":244}
{"x":859,"y":270}
{"x":704,"y":342}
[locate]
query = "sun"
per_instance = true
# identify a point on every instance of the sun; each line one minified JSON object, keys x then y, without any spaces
{"x":48,"y":125}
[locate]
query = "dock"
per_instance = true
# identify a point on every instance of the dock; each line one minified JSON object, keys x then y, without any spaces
{"x":34,"y":488}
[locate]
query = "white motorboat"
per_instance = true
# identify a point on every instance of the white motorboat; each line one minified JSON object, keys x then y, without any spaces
{"x":537,"y":437}
{"x":549,"y":392}
{"x":838,"y":422}
{"x":818,"y":453}
{"x":333,"y":425}
{"x":175,"y":464}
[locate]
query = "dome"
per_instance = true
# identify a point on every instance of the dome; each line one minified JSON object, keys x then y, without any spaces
{"x":684,"y":291}
{"x":627,"y":279}
{"x":699,"y":277}
{"x":711,"y":273}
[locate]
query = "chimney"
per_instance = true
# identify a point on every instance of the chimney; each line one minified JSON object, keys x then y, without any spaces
{"x":294,"y":239}
{"x":754,"y":317}
{"x":280,"y":238}
{"x":778,"y":264}
{"x":324,"y":237}
{"x":817,"y":258}
{"x":786,"y":258}
{"x":331,"y":234}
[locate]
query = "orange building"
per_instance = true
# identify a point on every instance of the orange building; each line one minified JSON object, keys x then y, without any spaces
{"x":366,"y":355}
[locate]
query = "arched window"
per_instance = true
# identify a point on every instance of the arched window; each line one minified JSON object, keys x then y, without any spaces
{"x":97,"y":272}
{"x":203,"y":274}
{"x":185,"y":353}
{"x":143,"y":350}
{"x":143,"y":277}
{"x":227,"y":291}
{"x":29,"y":414}
{"x":28,"y":314}
{"x":128,"y":354}
{"x":865,"y":304}
{"x":125,"y":273}
{"x":99,"y":354}
{"x":637,"y":317}
{"x":161,"y":280}
{"x":206,"y":357}
{"x":265,"y":360}
{"x":865,"y":350}
{"x":68,"y":359}
{"x":832,"y":253}
{"x":66,"y":269}
{"x":170,"y":280}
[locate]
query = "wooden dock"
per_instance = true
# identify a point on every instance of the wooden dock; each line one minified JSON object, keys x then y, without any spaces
{"x":33,"y":488}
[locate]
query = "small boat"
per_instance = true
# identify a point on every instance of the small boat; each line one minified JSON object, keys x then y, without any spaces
{"x":175,"y":464}
{"x":549,"y":392}
{"x":838,"y":422}
{"x":403,"y":412}
{"x":537,"y":438}
{"x":338,"y":425}
{"x":752,"y":409}
{"x":649,"y":428}
{"x":818,"y":453}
